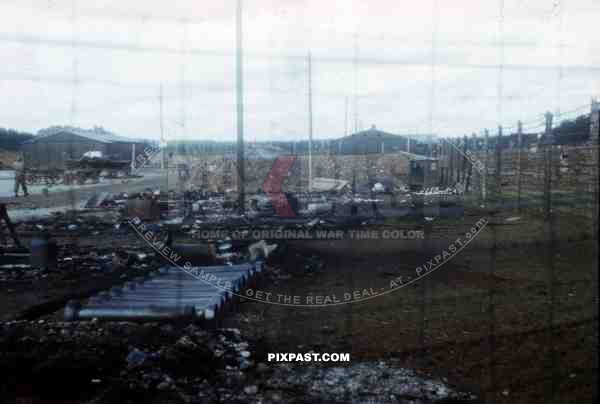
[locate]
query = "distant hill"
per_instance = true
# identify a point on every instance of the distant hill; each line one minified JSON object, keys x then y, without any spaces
{"x":371,"y":140}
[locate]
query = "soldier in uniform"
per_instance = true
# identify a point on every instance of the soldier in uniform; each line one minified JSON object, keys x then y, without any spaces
{"x":19,"y":167}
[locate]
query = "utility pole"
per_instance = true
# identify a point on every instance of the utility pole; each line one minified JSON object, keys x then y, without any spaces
{"x":595,"y":122}
{"x":240,"y":107}
{"x":132,"y":156}
{"x":346,"y":116}
{"x":355,"y":70}
{"x":548,"y":143}
{"x":484,"y":175}
{"x":595,"y":143}
{"x":310,"y":123}
{"x":498,"y":176}
{"x":519,"y":157}
{"x":434,"y":32}
{"x":162,"y":134}
{"x":182,"y":79}
{"x":75,"y":63}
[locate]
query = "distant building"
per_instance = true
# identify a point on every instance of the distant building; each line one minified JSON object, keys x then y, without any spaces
{"x":52,"y":147}
{"x":423,"y":171}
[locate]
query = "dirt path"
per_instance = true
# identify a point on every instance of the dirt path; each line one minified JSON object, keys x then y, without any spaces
{"x":74,"y":197}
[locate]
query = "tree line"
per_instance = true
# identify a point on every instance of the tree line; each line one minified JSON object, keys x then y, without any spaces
{"x":11,"y":139}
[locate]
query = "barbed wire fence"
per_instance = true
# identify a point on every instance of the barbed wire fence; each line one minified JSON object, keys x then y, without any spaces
{"x":526,"y":173}
{"x":550,"y":183}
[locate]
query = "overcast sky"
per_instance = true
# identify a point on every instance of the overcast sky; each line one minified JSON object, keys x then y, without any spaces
{"x":404,"y":66}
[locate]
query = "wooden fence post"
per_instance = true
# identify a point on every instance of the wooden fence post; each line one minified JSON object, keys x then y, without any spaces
{"x":444,"y":161}
{"x":464,"y":160}
{"x":498,"y":176}
{"x":519,"y":151}
{"x":548,"y":149}
{"x":458,"y":161}
{"x":595,"y":144}
{"x":469,"y":149}
{"x":548,"y":143}
{"x":450,"y":161}
{"x":485,"y":169}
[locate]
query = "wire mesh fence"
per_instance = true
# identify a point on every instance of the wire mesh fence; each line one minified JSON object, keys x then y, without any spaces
{"x":529,"y":328}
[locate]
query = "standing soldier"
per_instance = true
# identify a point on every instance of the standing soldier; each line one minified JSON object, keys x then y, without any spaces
{"x":19,"y":167}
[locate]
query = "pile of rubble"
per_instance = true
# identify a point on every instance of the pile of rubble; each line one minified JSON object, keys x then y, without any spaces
{"x":363,"y":382}
{"x":117,"y":362}
{"x":442,"y":196}
{"x":76,"y":261}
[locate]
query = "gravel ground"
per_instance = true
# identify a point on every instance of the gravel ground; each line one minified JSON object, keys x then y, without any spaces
{"x":74,"y":196}
{"x":524,"y":333}
{"x":96,"y":362}
{"x":510,"y":333}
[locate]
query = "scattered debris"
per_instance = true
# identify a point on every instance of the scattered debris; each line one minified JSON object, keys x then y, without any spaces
{"x":168,"y":294}
{"x":175,"y":363}
{"x":360,"y":382}
{"x":261,"y":250}
{"x":136,"y":358}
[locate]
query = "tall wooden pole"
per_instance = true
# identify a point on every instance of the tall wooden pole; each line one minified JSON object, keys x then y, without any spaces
{"x":595,"y":144}
{"x":240,"y":107}
{"x":498,"y":176}
{"x":310,"y":123}
{"x":162,"y":134}
{"x":519,"y":157}
{"x":484,"y":175}
{"x":346,"y":116}
{"x":355,"y":77}
{"x":547,"y":150}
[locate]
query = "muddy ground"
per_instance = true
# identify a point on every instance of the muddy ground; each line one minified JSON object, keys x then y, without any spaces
{"x":513,"y":333}
{"x":93,"y":253}
{"x":511,"y":324}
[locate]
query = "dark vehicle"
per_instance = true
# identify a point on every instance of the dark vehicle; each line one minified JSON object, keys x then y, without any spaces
{"x":88,"y":168}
